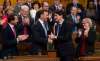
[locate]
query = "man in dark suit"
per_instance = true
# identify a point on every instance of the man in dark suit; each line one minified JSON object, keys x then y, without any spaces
{"x":24,"y":20}
{"x":74,"y":19}
{"x":62,"y":38}
{"x":29,"y":3}
{"x":10,"y":38}
{"x":55,"y":6}
{"x":75,"y":3}
{"x":74,"y":23}
{"x":1,"y":38}
{"x":39,"y":32}
{"x":24,"y":26}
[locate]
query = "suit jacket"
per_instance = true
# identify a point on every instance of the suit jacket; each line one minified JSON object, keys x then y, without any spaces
{"x":68,"y":8}
{"x":72,"y":24}
{"x":1,"y":38}
{"x":90,"y":42}
{"x":53,"y":8}
{"x":38,"y":37}
{"x":9,"y":37}
{"x":63,"y":43}
{"x":20,"y":26}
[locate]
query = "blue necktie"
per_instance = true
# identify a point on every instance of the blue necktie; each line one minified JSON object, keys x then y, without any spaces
{"x":58,"y":28}
{"x":46,"y":28}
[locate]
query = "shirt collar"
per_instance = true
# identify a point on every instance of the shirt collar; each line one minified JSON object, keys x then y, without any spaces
{"x":41,"y":21}
{"x":11,"y":25}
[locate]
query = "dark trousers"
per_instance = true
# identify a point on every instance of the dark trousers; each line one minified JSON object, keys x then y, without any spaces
{"x":66,"y":58}
{"x":9,"y":52}
{"x":65,"y":51}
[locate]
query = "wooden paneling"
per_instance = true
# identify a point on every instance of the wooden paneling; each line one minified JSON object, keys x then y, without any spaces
{"x":13,"y":2}
{"x":83,"y":2}
{"x":1,"y":1}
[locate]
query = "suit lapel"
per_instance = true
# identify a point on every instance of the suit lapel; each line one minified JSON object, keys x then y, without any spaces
{"x":62,"y":27}
{"x":42,"y":29}
{"x":11,"y":31}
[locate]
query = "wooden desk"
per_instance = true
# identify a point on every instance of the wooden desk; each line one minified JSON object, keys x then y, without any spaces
{"x":32,"y":58}
{"x":90,"y":58}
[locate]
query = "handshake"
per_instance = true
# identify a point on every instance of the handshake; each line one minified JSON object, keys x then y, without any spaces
{"x":51,"y":37}
{"x":22,"y":37}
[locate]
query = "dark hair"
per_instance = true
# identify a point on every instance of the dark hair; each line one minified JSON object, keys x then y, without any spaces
{"x":36,"y":2}
{"x":39,"y":13}
{"x":11,"y":18}
{"x":60,"y":12}
{"x":88,"y":4}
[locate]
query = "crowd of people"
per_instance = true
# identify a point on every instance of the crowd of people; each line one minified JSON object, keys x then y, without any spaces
{"x":70,"y":29}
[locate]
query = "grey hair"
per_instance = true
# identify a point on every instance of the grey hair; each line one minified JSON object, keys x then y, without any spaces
{"x":88,"y":20}
{"x":24,"y":7}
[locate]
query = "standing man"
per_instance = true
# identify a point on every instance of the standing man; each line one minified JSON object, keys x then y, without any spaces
{"x":62,"y":38}
{"x":18,"y":7}
{"x":75,"y":23}
{"x":29,"y":3}
{"x":39,"y":32}
{"x":75,"y":3}
{"x":10,"y":37}
{"x":55,"y":6}
{"x":24,"y":26}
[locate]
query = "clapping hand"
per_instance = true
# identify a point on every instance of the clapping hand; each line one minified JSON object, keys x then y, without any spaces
{"x":22,"y":37}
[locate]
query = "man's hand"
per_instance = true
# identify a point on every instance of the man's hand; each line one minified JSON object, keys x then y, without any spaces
{"x":52,"y":36}
{"x":22,"y":37}
{"x":50,"y":40}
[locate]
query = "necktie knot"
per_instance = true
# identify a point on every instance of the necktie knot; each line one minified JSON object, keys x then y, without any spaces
{"x":46,"y":25}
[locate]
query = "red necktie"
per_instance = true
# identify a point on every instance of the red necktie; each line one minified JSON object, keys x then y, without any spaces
{"x":83,"y":45}
{"x":25,"y":30}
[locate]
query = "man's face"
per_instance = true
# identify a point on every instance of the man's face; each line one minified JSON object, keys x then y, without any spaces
{"x":56,"y":2}
{"x":45,"y":16}
{"x":74,"y":10}
{"x":36,"y":6}
{"x":45,"y":6}
{"x":20,"y":2}
{"x":24,"y":12}
{"x":29,"y":1}
{"x":75,"y":1}
{"x":15,"y":20}
{"x":57,"y":17}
